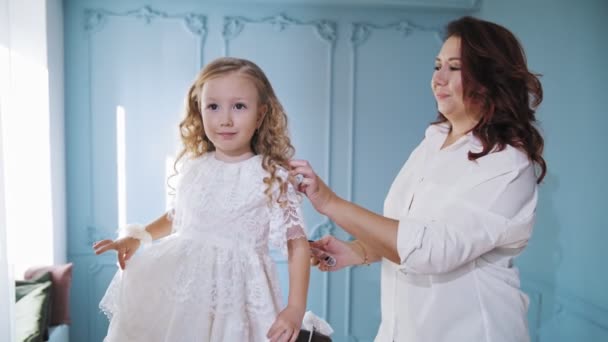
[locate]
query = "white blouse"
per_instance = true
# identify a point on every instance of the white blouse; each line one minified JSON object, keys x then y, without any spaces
{"x":461,"y":223}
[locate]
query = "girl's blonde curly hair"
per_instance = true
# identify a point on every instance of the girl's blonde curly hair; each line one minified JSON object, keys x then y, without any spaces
{"x":271,"y":140}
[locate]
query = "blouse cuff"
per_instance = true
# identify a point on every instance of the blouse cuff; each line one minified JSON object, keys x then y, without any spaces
{"x":410,"y":234}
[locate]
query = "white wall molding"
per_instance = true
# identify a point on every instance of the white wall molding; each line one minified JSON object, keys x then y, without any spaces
{"x":96,"y":19}
{"x":460,"y":5}
{"x":234,"y":25}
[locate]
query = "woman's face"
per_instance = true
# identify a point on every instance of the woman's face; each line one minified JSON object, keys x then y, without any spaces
{"x":447,"y":82}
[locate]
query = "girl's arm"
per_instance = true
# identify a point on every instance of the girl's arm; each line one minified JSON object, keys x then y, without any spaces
{"x":127,"y":245}
{"x":287,"y":324}
{"x":161,"y":227}
{"x":299,"y":272}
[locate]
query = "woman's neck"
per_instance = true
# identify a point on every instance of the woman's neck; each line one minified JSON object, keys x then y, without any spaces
{"x":458,"y":128}
{"x":462,"y":126}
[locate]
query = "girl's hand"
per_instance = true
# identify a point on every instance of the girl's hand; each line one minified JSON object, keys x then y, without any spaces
{"x":125,"y":247}
{"x":311,"y":185}
{"x":342,"y":251}
{"x":286,"y":326}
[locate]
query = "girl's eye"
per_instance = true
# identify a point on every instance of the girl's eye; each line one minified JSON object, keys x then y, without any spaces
{"x":437,"y":67}
{"x":212,"y":106}
{"x":240,"y":106}
{"x":454,"y":67}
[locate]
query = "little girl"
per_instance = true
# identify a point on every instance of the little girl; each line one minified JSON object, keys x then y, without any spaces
{"x":211,"y":277}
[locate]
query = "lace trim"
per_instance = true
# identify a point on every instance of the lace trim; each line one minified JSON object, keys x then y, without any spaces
{"x":287,"y":221}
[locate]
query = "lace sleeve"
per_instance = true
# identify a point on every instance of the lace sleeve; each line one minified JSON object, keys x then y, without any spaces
{"x":286,"y":222}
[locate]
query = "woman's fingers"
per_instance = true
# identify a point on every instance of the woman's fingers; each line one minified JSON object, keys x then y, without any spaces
{"x":323,"y":267}
{"x":303,"y":168}
{"x":322,"y":242}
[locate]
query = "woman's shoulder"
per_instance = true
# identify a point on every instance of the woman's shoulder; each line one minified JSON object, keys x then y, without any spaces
{"x":509,"y":159}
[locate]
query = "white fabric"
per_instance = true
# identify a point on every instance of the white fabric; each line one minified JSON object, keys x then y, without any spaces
{"x":461,"y":223}
{"x":312,"y":322}
{"x":136,"y":231}
{"x":212,"y":279}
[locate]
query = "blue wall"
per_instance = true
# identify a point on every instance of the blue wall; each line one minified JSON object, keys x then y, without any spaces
{"x":355,"y":80}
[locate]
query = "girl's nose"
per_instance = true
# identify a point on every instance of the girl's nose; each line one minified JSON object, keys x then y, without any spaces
{"x":226,"y":119}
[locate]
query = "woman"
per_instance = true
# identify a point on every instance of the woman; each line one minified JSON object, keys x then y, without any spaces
{"x":463,"y":205}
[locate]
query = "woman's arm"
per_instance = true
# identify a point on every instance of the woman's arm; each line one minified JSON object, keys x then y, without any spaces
{"x":345,"y":253}
{"x":498,"y":212}
{"x":365,"y":252}
{"x":377,"y":233}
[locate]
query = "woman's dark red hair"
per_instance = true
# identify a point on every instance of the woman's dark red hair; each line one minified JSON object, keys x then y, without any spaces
{"x":497,"y":83}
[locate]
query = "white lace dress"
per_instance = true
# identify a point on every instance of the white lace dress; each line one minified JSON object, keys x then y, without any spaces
{"x":213,"y":278}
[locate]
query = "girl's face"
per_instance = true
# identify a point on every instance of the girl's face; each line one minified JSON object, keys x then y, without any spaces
{"x":446,"y":82}
{"x":231,"y":114}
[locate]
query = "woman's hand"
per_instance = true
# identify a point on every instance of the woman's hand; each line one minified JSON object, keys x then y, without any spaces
{"x":340,"y":250}
{"x":125,"y":247}
{"x":286,"y":326}
{"x":311,"y":185}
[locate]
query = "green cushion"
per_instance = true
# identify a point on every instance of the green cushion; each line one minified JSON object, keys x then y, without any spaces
{"x":32,"y":308}
{"x":23,"y":287}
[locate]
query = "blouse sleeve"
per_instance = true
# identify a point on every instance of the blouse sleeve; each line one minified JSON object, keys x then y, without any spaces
{"x":286,"y":220}
{"x":498,"y":212}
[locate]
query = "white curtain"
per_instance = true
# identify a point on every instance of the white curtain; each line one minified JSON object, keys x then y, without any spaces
{"x":6,"y":280}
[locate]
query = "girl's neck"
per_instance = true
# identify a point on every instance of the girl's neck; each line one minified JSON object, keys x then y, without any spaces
{"x":233,"y":158}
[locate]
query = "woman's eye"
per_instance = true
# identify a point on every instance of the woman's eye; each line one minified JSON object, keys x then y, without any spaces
{"x":212,"y":106}
{"x":454,"y":67}
{"x":240,"y":106}
{"x":437,"y":67}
